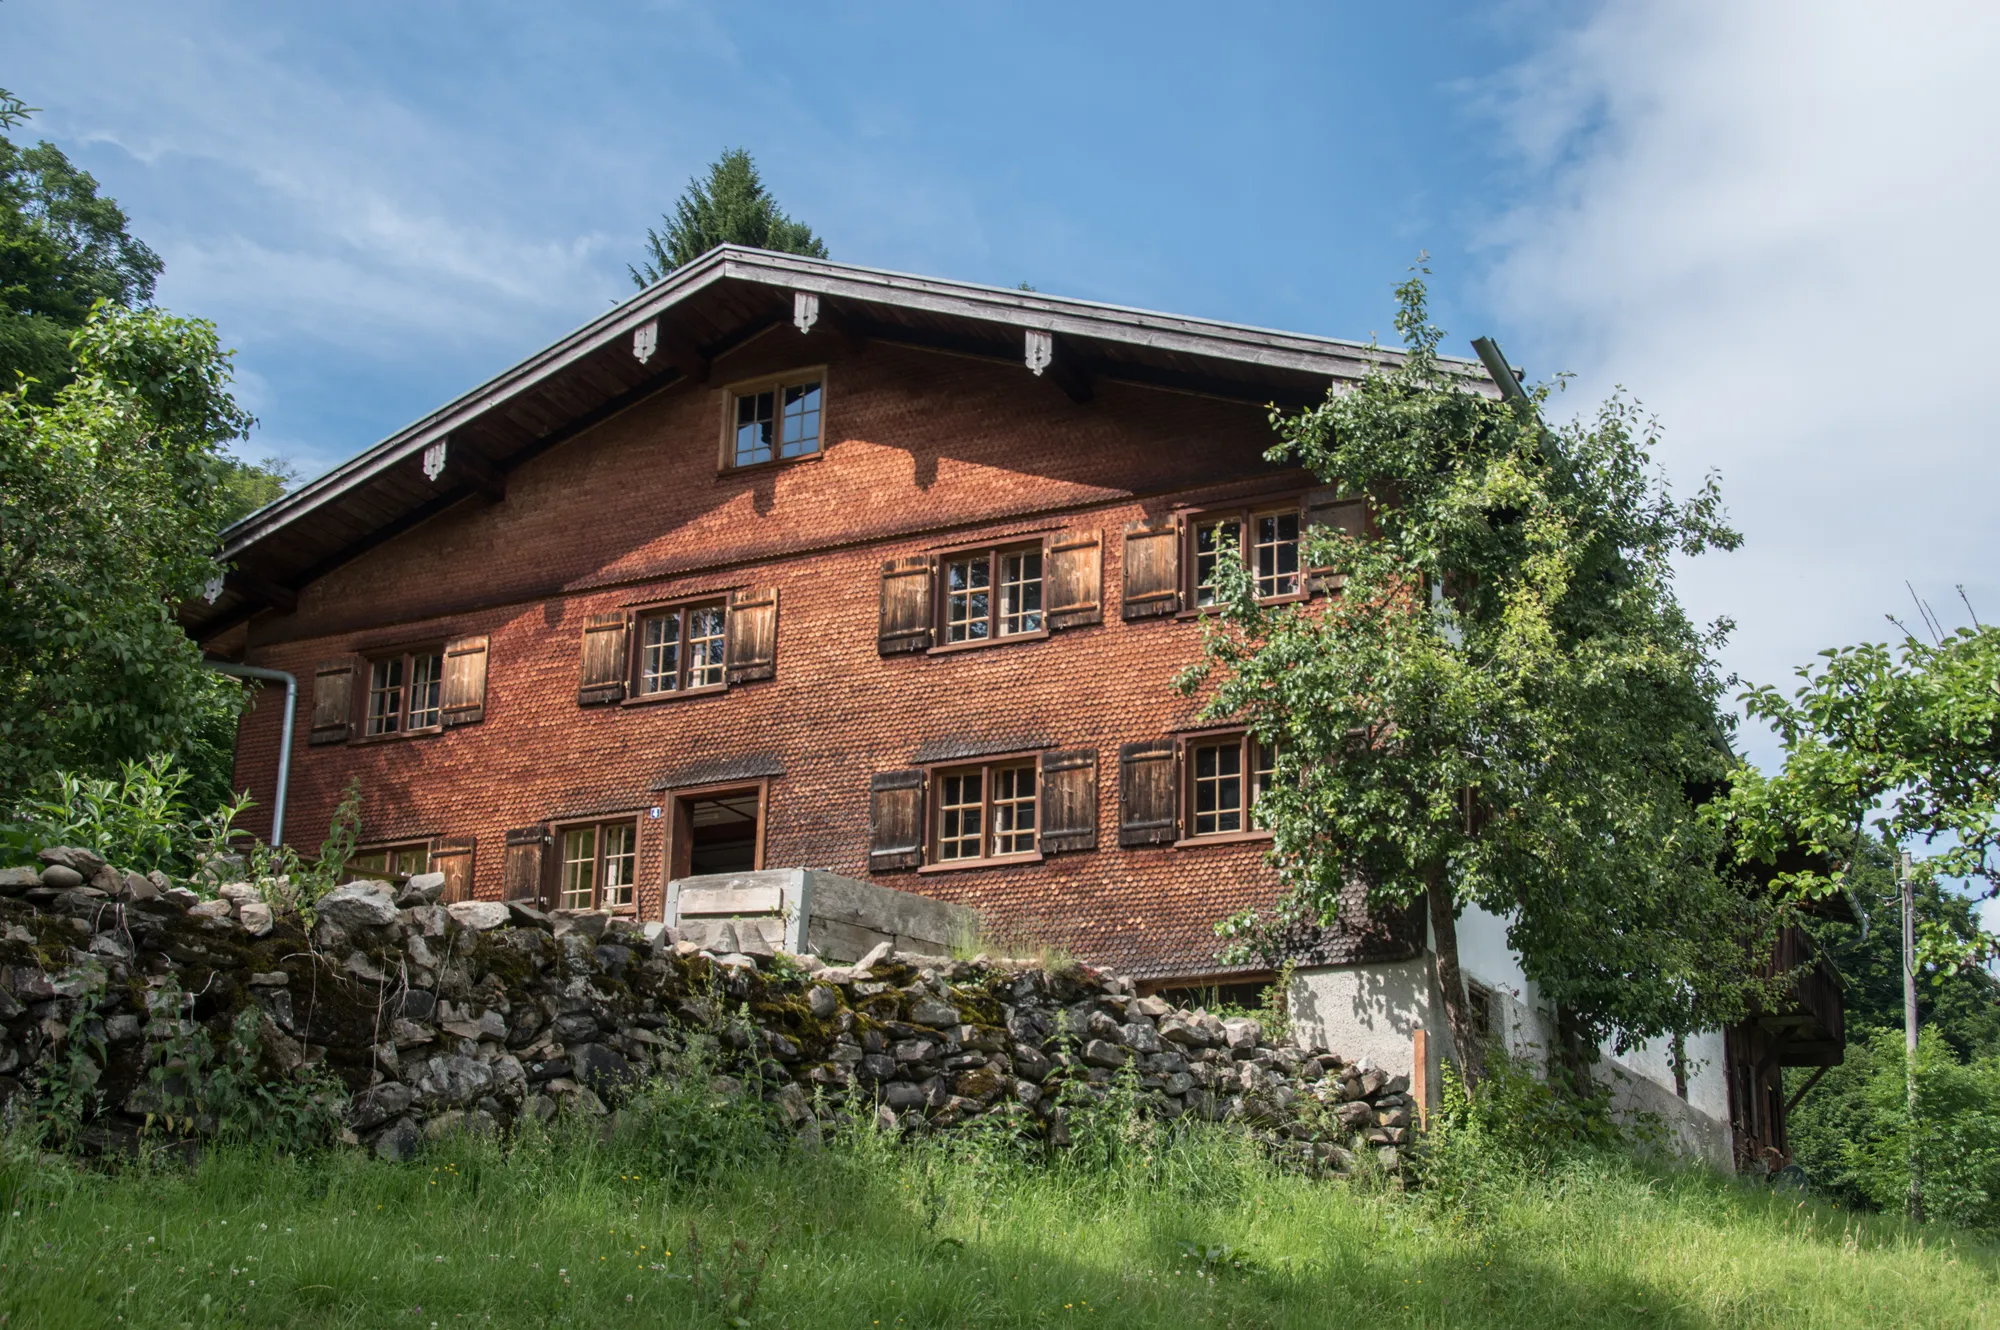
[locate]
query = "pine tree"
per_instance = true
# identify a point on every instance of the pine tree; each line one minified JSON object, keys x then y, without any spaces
{"x":731,"y":208}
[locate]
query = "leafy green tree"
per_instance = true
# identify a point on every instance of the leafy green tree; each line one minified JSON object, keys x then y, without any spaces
{"x":1901,"y":744}
{"x":731,"y":208}
{"x":111,"y":496}
{"x":251,"y":485}
{"x":63,"y":248}
{"x":1505,"y":705}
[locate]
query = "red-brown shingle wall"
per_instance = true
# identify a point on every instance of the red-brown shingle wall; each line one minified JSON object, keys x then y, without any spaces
{"x":924,"y":449}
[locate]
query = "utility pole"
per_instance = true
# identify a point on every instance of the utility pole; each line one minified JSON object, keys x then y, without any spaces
{"x":1916,"y":1203}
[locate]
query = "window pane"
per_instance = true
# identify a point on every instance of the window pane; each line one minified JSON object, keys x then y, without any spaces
{"x":1021,"y":592}
{"x":967,"y":599}
{"x":1014,"y":810}
{"x":369,"y":861}
{"x":660,"y":653}
{"x":960,"y":814}
{"x":801,"y":425}
{"x":1263,"y":772}
{"x":704,"y":645}
{"x":579,"y":868}
{"x":426,"y":691}
{"x":1277,"y":555}
{"x":753,"y":428}
{"x":1209,"y":538}
{"x":385,"y":696}
{"x":621,"y":859}
{"x":409,"y":862}
{"x":1218,"y":788}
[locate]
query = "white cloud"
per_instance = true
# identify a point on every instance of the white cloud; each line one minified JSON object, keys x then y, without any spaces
{"x":1774,"y":222}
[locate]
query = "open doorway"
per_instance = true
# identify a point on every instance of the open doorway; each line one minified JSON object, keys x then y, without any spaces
{"x":718,"y":831}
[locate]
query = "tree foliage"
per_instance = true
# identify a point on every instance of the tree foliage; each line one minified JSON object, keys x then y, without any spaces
{"x":111,"y":496}
{"x":1904,"y":741}
{"x":1506,"y":705}
{"x":731,"y":208}
{"x":63,"y":248}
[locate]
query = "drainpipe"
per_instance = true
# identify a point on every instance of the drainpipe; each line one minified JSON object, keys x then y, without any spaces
{"x":284,"y":744}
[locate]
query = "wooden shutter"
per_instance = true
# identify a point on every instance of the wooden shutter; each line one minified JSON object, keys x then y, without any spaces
{"x":604,"y":662}
{"x":335,"y":684}
{"x":1325,"y":508}
{"x":452,"y":856}
{"x":464,"y":681}
{"x":1152,"y":569}
{"x":1148,"y":793}
{"x":521,"y":876}
{"x":1075,"y":580}
{"x":1069,"y":801}
{"x":906,"y":607}
{"x":752,"y":650}
{"x":896,"y":819}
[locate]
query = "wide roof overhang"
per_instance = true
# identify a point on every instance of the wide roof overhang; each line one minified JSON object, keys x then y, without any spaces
{"x":700,"y":313}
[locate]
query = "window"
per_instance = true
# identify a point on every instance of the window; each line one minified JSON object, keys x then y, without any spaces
{"x":599,"y":866}
{"x":392,"y":860}
{"x":1270,"y":552}
{"x":991,"y":594}
{"x":681,"y":649}
{"x":1227,"y":776}
{"x":985,"y":812}
{"x":405,"y":693}
{"x":776,"y":423}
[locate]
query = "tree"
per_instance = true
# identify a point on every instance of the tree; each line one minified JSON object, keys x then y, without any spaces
{"x":1505,"y":705}
{"x":63,"y":248}
{"x":111,"y":497}
{"x":732,"y":208}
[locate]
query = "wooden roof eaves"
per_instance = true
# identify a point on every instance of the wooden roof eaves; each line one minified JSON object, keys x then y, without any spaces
{"x":1019,"y":309}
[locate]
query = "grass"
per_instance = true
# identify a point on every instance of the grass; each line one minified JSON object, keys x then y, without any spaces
{"x":862,"y":1234}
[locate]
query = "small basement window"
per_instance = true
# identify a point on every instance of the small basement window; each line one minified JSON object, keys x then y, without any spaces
{"x":682,"y":648}
{"x":392,"y":860}
{"x":405,"y":693}
{"x":776,"y":423}
{"x":599,"y":866}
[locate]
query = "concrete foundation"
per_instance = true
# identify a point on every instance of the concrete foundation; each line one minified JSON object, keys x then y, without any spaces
{"x":805,"y":909}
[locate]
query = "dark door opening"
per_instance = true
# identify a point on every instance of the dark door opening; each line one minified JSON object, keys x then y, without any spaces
{"x":717,"y":833}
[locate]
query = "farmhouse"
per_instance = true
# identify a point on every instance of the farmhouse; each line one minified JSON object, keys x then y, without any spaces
{"x":790,"y":564}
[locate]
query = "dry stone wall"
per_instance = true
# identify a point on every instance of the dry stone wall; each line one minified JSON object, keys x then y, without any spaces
{"x":469,"y":1016}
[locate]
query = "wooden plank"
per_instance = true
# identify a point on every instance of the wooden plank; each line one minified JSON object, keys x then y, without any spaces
{"x":728,"y":900}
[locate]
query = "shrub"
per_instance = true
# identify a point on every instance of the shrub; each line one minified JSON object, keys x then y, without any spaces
{"x":137,"y":819}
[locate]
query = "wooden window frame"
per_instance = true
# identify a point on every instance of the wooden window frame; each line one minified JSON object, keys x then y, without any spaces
{"x":935,"y":773}
{"x":553,"y":870}
{"x":428,"y":844}
{"x":1247,"y":745}
{"x":994,"y":551}
{"x":673,"y":807}
{"x":364,"y":687}
{"x":775,"y":383}
{"x":635,"y":648}
{"x":1243,"y":514}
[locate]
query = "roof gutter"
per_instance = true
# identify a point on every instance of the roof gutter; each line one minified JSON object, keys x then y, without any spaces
{"x":262,"y":675}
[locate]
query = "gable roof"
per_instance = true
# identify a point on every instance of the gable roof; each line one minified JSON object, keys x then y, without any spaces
{"x":700,"y":312}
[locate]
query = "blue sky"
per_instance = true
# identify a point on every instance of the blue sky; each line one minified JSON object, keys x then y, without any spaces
{"x":1771,"y":221}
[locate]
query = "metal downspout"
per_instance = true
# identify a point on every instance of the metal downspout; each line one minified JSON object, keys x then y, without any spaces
{"x":284,"y":743}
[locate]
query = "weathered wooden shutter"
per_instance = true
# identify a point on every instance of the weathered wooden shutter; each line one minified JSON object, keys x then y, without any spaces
{"x":604,"y":661}
{"x":752,"y":652}
{"x":896,"y":819}
{"x":452,"y":856}
{"x":521,"y":876}
{"x":906,"y":606}
{"x":335,"y":684}
{"x":1325,"y":508}
{"x":1152,"y":569}
{"x":1069,"y":801}
{"x":1148,"y":793}
{"x":464,"y":693}
{"x":1074,"y":573}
